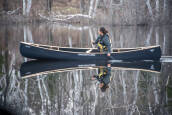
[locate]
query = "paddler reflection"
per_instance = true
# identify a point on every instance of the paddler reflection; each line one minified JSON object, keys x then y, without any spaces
{"x":104,"y":77}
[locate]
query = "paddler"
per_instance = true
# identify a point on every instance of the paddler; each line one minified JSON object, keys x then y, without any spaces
{"x":103,"y":42}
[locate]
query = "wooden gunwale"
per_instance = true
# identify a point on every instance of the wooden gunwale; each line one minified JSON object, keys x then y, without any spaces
{"x":118,"y":49}
{"x":86,"y":68}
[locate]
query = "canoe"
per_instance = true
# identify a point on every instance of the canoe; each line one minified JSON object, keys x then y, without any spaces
{"x":39,"y":67}
{"x":46,"y":52}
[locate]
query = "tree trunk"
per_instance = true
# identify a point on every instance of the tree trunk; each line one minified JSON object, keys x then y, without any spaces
{"x":24,"y":7}
{"x":5,"y":5}
{"x":29,"y":4}
{"x":82,"y":6}
{"x":150,"y":9}
{"x":6,"y":67}
{"x":49,"y":5}
{"x":91,"y":8}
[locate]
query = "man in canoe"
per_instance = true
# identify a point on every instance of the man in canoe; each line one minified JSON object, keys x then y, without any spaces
{"x":104,"y":77}
{"x":103,"y":41}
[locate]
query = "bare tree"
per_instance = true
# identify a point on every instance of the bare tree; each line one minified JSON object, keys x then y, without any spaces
{"x":82,"y":6}
{"x":49,"y":5}
{"x":26,"y":7}
{"x":5,"y":5}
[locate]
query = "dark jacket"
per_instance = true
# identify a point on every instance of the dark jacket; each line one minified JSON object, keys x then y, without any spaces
{"x":105,"y":41}
{"x":105,"y":78}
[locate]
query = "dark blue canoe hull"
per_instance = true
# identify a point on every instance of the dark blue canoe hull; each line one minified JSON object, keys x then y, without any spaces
{"x":33,"y":51}
{"x":36,"y":67}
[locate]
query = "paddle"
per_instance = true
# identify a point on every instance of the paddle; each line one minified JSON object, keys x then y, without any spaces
{"x":88,"y":51}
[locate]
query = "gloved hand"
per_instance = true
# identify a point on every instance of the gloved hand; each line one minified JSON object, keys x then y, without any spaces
{"x":108,"y":54}
{"x":93,"y":43}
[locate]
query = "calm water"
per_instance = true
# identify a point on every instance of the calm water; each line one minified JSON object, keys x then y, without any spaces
{"x":72,"y":92}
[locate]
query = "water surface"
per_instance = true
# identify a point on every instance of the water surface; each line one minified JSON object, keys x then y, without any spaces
{"x":73,"y":92}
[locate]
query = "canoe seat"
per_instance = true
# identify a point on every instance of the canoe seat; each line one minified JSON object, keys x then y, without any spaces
{"x":54,"y":47}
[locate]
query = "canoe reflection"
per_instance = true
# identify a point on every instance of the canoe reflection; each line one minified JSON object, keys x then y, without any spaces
{"x":34,"y":68}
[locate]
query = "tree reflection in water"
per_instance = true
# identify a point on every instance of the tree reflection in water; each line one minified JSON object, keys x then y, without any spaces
{"x":72,"y":92}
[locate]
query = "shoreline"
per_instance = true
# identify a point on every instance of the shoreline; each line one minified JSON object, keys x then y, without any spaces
{"x":20,"y":19}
